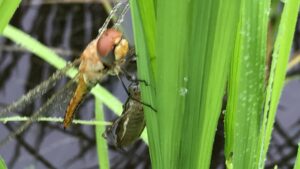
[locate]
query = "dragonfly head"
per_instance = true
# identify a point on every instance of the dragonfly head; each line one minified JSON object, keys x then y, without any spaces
{"x":110,"y":135}
{"x":112,"y":47}
{"x":134,"y":90}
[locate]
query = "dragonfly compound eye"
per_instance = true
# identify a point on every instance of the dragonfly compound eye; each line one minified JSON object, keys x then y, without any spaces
{"x":121,"y":49}
{"x":111,"y":46}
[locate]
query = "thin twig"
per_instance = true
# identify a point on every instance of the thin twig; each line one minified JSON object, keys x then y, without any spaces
{"x":52,"y":119}
{"x":59,"y":51}
{"x":53,"y":2}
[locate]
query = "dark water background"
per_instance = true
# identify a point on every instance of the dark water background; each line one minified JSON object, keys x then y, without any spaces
{"x":67,"y":28}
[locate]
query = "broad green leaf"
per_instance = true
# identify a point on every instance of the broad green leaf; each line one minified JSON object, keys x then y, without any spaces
{"x":246,"y":86}
{"x":193,"y":44}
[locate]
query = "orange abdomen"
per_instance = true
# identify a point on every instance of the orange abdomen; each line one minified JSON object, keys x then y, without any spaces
{"x":77,"y":98}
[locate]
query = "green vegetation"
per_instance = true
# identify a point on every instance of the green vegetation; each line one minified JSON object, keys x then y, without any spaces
{"x":2,"y":163}
{"x":185,"y":50}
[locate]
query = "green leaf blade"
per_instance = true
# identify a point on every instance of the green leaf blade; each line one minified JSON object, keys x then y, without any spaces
{"x":2,"y":163}
{"x":246,"y":86}
{"x":193,"y":50}
{"x":102,"y":148}
{"x":7,"y":8}
{"x":277,"y":74}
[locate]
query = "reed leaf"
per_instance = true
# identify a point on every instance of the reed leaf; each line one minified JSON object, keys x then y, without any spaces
{"x":7,"y":8}
{"x":102,"y":149}
{"x":246,"y":86}
{"x":144,"y":29}
{"x":276,"y":81}
{"x":297,"y":162}
{"x":193,"y":44}
{"x":2,"y":163}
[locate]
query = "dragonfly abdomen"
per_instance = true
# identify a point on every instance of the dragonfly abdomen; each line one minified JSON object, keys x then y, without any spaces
{"x":80,"y":92}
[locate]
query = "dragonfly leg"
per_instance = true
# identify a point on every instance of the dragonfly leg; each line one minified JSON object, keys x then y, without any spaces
{"x":133,"y":98}
{"x":123,"y":85}
{"x":143,"y":103}
{"x":133,"y":78}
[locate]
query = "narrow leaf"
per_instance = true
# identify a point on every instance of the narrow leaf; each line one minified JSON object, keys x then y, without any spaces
{"x":297,"y":162}
{"x":102,"y":149}
{"x":278,"y":70}
{"x":194,"y":43}
{"x":7,"y":8}
{"x":143,"y":17}
{"x":246,"y":86}
{"x":2,"y":163}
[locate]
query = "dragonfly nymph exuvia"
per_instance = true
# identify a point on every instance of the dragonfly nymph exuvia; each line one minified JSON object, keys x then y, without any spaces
{"x":105,"y":55}
{"x":129,"y":126}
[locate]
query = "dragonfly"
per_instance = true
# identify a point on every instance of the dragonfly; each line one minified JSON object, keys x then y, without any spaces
{"x":103,"y":56}
{"x":127,"y":128}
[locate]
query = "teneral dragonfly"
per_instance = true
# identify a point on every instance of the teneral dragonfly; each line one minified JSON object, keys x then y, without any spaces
{"x":128,"y":127}
{"x":103,"y":55}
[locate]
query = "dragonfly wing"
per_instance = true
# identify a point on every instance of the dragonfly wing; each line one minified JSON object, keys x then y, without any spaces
{"x":57,"y":103}
{"x":38,"y":91}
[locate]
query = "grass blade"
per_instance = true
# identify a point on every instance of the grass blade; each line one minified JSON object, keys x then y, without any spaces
{"x":277,"y":75}
{"x":2,"y":163}
{"x":143,"y":17}
{"x":246,"y":86}
{"x":297,"y":162}
{"x":190,"y":71}
{"x":7,"y":8}
{"x":102,"y":149}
